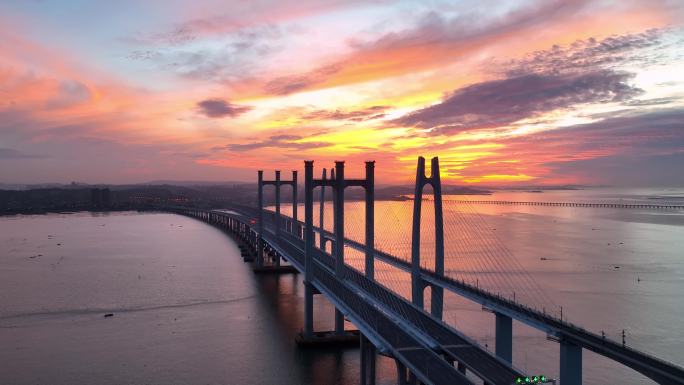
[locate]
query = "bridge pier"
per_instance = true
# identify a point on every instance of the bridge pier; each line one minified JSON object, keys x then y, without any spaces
{"x":339,"y":322}
{"x":279,"y":223}
{"x":570,"y":363}
{"x":260,"y":219}
{"x":504,"y":337}
{"x":308,"y":310}
{"x":368,"y":357}
{"x":401,"y":373}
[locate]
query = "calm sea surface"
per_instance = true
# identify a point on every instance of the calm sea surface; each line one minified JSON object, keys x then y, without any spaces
{"x":187,"y":310}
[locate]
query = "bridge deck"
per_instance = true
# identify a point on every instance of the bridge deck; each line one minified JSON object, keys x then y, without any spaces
{"x":378,"y":311}
{"x":429,"y":366}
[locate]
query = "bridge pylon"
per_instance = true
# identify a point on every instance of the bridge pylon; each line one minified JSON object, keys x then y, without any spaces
{"x":338,"y":183}
{"x":417,"y":284}
{"x":280,"y":224}
{"x":321,"y":213}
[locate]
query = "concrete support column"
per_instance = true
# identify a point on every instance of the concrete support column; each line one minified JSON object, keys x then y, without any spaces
{"x":279,"y":222}
{"x":339,"y":322}
{"x":321,"y":212}
{"x":339,"y":218}
{"x":504,"y":337}
{"x":363,"y":361}
{"x":401,"y":373}
{"x":371,"y":355}
{"x":332,"y":241}
{"x":295,"y":226}
{"x":416,"y":282}
{"x":308,"y":310}
{"x":260,"y":219}
{"x":570,"y":364}
{"x":367,"y":351}
{"x":339,"y":235}
{"x":370,"y":220}
{"x":308,"y":248}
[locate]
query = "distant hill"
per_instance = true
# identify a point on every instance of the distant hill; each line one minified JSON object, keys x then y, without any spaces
{"x":190,"y":183}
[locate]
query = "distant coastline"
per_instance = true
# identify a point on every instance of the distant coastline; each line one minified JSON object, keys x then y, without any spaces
{"x":77,"y":197}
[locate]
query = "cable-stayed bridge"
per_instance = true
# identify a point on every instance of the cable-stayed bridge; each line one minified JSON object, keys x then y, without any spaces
{"x":356,"y":269}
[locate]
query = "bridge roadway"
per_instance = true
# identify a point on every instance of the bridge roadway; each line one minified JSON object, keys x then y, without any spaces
{"x":395,"y":326}
{"x":433,"y":338}
{"x":660,"y":371}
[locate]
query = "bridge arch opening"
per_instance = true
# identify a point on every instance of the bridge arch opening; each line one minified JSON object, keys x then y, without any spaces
{"x":427,"y":298}
{"x":427,"y":229}
{"x":328,"y":245}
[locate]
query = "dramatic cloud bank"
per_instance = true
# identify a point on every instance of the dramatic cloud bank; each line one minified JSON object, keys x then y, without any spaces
{"x":534,"y":92}
{"x":501,"y":102}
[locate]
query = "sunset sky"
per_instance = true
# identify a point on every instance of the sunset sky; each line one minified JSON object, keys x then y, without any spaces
{"x":504,"y":92}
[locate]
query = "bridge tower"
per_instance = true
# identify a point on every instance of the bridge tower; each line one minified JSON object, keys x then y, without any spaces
{"x":338,"y":183}
{"x":279,"y":224}
{"x":308,"y":249}
{"x":321,"y":212}
{"x":417,"y":284}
